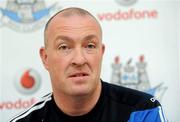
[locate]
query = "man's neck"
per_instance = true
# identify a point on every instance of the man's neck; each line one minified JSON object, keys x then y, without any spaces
{"x":79,"y":105}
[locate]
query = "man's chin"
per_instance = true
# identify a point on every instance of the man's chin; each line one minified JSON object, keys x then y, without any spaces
{"x":81,"y":91}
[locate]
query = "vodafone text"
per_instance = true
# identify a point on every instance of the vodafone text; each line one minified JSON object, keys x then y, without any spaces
{"x":18,"y":104}
{"x":130,"y":14}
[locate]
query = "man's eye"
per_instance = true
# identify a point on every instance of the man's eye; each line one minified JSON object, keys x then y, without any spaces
{"x":91,"y":46}
{"x":63,"y":47}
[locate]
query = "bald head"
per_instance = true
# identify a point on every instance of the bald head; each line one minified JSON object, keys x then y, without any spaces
{"x":68,"y":12}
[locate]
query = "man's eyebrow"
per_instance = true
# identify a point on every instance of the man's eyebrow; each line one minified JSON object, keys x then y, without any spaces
{"x":63,"y":38}
{"x":66,"y":38}
{"x":89,"y":37}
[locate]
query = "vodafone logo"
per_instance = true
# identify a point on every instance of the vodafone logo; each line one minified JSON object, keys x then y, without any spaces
{"x":129,"y":14}
{"x":27,"y":81}
{"x":17,"y":104}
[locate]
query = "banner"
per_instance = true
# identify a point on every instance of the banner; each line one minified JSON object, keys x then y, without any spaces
{"x":142,"y":40}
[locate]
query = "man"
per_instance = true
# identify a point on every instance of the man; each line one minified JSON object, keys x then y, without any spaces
{"x":73,"y":55}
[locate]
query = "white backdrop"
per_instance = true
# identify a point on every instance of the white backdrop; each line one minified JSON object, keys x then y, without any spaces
{"x":157,"y":37}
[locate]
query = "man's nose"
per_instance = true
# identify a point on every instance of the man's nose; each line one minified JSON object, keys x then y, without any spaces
{"x":79,"y":57}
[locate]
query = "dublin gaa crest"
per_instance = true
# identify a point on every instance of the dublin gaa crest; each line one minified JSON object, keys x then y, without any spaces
{"x":135,"y":77}
{"x":25,"y":15}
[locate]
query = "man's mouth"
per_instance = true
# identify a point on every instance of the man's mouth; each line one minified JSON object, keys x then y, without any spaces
{"x":78,"y":75}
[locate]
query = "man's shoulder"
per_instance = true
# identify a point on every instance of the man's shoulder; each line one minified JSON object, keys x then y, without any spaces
{"x":130,"y":97}
{"x":35,"y":111}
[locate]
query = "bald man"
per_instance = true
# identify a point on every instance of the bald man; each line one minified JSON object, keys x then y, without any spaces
{"x":72,"y":54}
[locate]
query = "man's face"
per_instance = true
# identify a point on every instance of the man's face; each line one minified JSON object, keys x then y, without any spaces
{"x":73,"y":54}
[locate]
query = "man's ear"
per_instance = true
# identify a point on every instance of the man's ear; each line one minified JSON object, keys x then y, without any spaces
{"x":43,"y":56}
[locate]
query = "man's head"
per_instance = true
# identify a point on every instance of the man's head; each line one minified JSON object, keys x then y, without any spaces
{"x":67,"y":13}
{"x":73,"y":52}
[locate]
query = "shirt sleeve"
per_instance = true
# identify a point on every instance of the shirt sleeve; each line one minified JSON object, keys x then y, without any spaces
{"x":149,"y":115}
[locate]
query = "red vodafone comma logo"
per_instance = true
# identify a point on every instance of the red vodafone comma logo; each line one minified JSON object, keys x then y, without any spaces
{"x":27,"y":81}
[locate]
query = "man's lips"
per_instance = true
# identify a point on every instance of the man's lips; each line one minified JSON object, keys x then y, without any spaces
{"x":79,"y":74}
